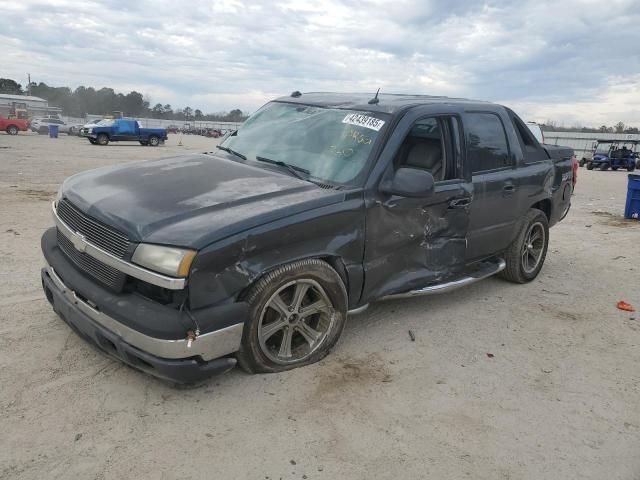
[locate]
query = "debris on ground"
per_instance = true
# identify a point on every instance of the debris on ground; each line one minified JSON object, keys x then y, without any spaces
{"x":490,"y":355}
{"x":412,"y":336}
{"x":627,"y":307}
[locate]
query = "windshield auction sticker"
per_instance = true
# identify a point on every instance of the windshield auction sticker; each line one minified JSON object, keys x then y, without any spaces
{"x":365,"y":121}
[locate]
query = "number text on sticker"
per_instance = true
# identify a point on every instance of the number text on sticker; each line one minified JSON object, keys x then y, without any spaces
{"x":364,"y":121}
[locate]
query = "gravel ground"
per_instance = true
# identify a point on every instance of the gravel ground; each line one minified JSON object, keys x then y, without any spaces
{"x":557,"y":399}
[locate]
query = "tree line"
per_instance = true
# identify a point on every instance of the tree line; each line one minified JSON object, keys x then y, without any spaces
{"x":620,"y":127}
{"x":104,"y":101}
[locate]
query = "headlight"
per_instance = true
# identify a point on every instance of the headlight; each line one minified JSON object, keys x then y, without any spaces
{"x":172,"y":261}
{"x":90,"y":130}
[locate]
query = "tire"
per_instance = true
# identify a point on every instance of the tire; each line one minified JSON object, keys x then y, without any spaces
{"x":144,"y":143}
{"x":615,"y":169}
{"x":604,"y":166}
{"x":535,"y":221}
{"x":92,"y":141}
{"x":311,"y":336}
{"x":631,"y":167}
{"x":71,"y":131}
{"x":102,"y":139}
{"x":12,"y":130}
{"x":589,"y":166}
{"x":154,"y":141}
{"x":582,"y":162}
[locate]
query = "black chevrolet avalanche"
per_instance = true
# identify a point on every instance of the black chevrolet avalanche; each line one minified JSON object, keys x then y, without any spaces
{"x":317,"y":206}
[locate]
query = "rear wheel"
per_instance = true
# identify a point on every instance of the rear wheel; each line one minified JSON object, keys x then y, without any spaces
{"x":604,"y":166}
{"x":296,"y":315}
{"x":12,"y":130}
{"x":526,"y":254}
{"x":102,"y":139}
{"x":631,"y":167}
{"x":154,"y":141}
{"x":615,"y":169}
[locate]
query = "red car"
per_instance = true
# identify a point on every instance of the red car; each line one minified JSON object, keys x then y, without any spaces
{"x":13,"y":125}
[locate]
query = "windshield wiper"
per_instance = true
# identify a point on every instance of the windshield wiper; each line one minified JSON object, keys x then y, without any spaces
{"x":232,"y":152}
{"x":294,"y":170}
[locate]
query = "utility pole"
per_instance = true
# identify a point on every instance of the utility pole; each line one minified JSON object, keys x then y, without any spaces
{"x":29,"y":83}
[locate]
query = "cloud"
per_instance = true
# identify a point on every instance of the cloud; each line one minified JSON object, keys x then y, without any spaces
{"x":574,"y":61}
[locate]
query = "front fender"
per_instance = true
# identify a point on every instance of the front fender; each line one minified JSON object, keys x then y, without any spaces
{"x":222,"y":271}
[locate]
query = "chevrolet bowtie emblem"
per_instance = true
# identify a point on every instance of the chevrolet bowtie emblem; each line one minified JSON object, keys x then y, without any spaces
{"x":79,"y":242}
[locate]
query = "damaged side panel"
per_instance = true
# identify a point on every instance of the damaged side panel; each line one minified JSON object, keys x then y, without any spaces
{"x":225,"y":269}
{"x":414,"y":242}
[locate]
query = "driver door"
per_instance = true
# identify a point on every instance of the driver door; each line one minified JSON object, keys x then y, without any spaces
{"x":414,"y":242}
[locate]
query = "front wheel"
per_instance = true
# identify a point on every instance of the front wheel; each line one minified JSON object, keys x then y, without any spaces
{"x":582,"y":162}
{"x":526,"y":254}
{"x":589,"y":166}
{"x":92,"y":141}
{"x":296,"y":315}
{"x":154,"y":141}
{"x":631,"y":167}
{"x":12,"y":130}
{"x":102,"y":139}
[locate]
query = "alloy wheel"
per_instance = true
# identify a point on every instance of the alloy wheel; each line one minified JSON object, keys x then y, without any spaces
{"x":295,"y":321}
{"x":533,"y":247}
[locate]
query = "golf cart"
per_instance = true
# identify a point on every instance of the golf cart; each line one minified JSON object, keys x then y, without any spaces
{"x":615,"y":154}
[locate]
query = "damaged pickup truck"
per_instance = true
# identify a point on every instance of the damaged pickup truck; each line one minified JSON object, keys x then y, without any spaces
{"x":317,"y":206}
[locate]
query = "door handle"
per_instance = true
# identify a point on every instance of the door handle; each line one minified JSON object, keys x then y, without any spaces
{"x":460,"y":203}
{"x":509,"y":188}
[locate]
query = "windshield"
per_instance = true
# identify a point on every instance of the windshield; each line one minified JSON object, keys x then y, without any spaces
{"x":105,"y":123}
{"x":603,"y":148}
{"x":332,"y":145}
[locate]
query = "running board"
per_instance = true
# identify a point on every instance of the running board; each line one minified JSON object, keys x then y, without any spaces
{"x":487,"y":269}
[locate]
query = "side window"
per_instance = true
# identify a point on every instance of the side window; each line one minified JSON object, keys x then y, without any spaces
{"x":424,"y":148}
{"x":487,"y":146}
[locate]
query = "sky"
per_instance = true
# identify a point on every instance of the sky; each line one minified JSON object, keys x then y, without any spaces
{"x":576,"y":62}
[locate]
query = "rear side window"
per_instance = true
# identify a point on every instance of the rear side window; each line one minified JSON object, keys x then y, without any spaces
{"x":487,"y":145}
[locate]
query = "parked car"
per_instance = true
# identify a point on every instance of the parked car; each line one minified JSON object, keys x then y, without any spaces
{"x":41,"y":125}
{"x":318,"y":205}
{"x":13,"y":125}
{"x":123,"y":130}
{"x":84,"y":130}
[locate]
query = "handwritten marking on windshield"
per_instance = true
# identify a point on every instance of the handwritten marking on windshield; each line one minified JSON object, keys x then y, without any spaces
{"x":341,"y":152}
{"x":358,"y":137}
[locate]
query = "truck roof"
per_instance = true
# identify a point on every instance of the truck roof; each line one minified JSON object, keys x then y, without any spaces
{"x":388,"y":102}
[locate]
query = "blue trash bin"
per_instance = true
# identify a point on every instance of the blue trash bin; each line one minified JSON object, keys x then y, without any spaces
{"x":632,"y":207}
{"x":53,"y":131}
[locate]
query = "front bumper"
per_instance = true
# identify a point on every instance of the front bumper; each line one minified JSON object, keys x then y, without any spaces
{"x":139,"y":331}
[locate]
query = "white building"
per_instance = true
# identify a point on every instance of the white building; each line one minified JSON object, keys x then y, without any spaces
{"x":34,"y":106}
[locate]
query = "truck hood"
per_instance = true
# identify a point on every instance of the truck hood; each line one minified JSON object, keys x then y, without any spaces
{"x":192,"y":200}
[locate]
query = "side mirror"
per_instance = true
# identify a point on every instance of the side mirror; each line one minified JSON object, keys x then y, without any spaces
{"x":409,"y":182}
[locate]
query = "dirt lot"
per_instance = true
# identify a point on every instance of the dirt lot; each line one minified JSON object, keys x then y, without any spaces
{"x":558,"y":399}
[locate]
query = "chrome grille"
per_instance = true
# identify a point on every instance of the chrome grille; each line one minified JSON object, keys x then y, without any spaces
{"x":104,"y":273}
{"x":107,"y":238}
